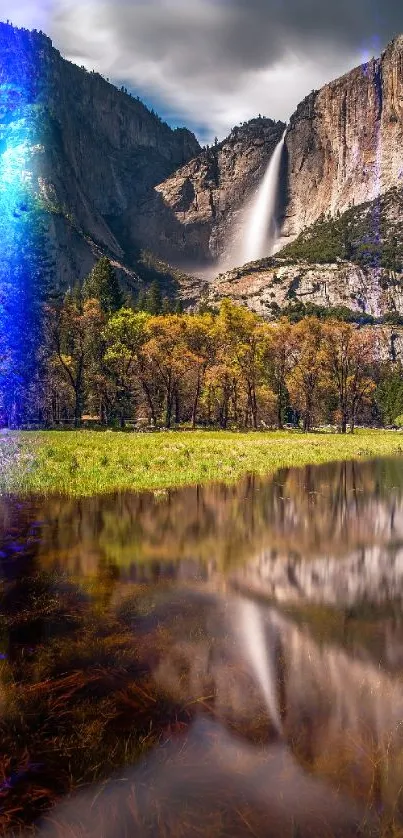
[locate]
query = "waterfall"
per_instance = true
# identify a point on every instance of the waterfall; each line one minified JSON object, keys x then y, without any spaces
{"x":261,"y":227}
{"x":255,"y":229}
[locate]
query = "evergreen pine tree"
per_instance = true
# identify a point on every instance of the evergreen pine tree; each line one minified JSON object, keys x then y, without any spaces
{"x":103,"y":284}
{"x":153,"y":299}
{"x":141,"y":301}
{"x":166,"y":305}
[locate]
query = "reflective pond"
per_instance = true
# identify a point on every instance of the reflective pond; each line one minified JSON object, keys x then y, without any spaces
{"x":210,"y":661}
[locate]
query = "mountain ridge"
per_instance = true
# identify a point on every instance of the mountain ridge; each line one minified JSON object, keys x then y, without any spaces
{"x":113,"y":179}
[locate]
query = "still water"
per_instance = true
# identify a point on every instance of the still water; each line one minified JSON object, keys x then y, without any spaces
{"x":216,"y":661}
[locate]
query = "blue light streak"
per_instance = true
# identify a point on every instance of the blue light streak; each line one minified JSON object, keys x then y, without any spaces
{"x":19,"y":241}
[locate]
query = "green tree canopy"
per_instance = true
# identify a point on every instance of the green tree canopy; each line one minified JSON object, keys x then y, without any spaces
{"x":102,"y":284}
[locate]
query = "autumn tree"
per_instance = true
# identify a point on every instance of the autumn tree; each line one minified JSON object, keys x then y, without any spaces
{"x":278,"y":358}
{"x":241,"y":336}
{"x":200,"y":342}
{"x":350,"y":352}
{"x":72,"y":329}
{"x":220,"y":392}
{"x":229,"y":368}
{"x":124,"y":335}
{"x":307,"y":378}
{"x":166,"y":354}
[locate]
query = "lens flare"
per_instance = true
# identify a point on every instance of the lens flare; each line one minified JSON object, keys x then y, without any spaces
{"x":21,"y":243}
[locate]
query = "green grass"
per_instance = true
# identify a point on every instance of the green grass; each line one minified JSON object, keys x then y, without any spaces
{"x":79,"y":463}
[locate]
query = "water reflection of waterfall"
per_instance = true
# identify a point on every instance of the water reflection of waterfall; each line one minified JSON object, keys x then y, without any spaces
{"x":337,"y":764}
{"x":340,"y":713}
{"x":254,"y":642}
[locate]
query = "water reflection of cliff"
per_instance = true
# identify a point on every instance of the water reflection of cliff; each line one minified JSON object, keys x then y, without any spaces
{"x":332,"y":761}
{"x":332,"y":533}
{"x":340,"y":716}
{"x":295,"y":695}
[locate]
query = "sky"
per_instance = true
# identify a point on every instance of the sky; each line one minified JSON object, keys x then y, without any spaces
{"x":211,"y":64}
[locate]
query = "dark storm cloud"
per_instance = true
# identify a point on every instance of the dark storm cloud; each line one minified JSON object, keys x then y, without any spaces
{"x":267,"y":27}
{"x":245,"y":35}
{"x":219,"y":61}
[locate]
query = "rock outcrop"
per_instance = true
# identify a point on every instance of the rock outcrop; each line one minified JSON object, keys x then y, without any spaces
{"x":270,"y":286}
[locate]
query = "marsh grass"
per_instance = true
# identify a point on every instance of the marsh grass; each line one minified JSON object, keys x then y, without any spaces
{"x":80,"y":703}
{"x":83,"y":463}
{"x":77,"y":703}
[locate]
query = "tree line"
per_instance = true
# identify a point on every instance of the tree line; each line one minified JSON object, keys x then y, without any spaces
{"x":104,"y":358}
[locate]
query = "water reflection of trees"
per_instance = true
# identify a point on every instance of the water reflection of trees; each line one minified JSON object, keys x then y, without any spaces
{"x":325,"y":511}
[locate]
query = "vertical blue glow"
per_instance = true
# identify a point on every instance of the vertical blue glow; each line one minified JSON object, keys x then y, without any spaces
{"x":19,"y":243}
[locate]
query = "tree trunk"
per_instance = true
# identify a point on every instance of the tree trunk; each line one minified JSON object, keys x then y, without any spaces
{"x":168,"y":410}
{"x":150,"y":401}
{"x":196,"y":402}
{"x":77,"y":407}
{"x":354,"y":412}
{"x":224,"y":414}
{"x":280,"y":408}
{"x":252,"y":404}
{"x":177,"y":408}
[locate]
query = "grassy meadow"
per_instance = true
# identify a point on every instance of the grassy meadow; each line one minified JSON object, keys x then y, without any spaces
{"x":80,"y":463}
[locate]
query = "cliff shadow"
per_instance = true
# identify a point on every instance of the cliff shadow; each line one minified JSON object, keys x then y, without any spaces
{"x":283,"y":188}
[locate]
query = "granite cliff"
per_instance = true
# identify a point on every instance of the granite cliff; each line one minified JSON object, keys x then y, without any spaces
{"x":92,"y":153}
{"x":343,"y":149}
{"x":113,"y":178}
{"x":344,"y":143}
{"x":275,"y":284}
{"x":198,"y":208}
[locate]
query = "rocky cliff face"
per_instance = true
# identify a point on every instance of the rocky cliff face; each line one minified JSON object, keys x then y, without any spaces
{"x":343,"y":149}
{"x":354,"y":261}
{"x":93,"y":153}
{"x":272,"y":285}
{"x":196,"y":210}
{"x":113,"y":178}
{"x":344,"y":142}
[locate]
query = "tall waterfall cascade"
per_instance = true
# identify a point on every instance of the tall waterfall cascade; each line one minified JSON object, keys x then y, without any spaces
{"x":261,"y":230}
{"x":257,"y":230}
